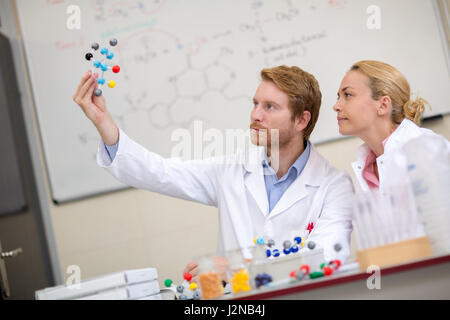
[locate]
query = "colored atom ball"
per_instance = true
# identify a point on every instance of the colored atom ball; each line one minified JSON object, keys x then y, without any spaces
{"x":187,"y":276}
{"x":89,"y":56}
{"x":193,"y":286}
{"x":98,"y":92}
{"x":116,"y":69}
{"x":95,"y":46}
{"x":286,"y":244}
{"x":311,"y":245}
{"x":168,"y":282}
{"x":196,"y":295}
{"x":113,"y":42}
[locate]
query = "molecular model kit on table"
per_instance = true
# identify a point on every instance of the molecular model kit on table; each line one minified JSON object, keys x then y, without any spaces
{"x":107,"y":54}
{"x":290,"y":248}
{"x":185,"y":290}
{"x":259,"y":271}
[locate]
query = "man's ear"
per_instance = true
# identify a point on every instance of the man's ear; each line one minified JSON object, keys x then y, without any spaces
{"x":302,"y":121}
{"x":385,"y":106}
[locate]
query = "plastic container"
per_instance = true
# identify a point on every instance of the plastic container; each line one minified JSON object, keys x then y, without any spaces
{"x":260,"y":268}
{"x":238,"y":272}
{"x":209,"y":278}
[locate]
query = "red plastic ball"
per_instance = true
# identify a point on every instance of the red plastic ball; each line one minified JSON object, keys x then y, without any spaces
{"x":305,"y":268}
{"x":337,"y":263}
{"x":292,"y":274}
{"x":327,"y":271}
{"x":187,"y":276}
{"x":116,"y":69}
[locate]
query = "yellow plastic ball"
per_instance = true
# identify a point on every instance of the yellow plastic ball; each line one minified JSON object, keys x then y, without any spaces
{"x":111,"y":84}
{"x":193,"y":286}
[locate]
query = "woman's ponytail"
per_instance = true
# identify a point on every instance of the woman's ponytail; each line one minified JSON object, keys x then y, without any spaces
{"x":414,"y":109}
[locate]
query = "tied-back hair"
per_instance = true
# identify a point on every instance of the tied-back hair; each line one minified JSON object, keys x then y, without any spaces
{"x":385,"y":80}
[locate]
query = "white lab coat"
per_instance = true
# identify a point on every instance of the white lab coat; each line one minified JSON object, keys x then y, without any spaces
{"x":393,"y":163}
{"x":321,"y":195}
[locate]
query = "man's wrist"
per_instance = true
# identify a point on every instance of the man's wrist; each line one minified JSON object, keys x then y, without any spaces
{"x":109,"y":132}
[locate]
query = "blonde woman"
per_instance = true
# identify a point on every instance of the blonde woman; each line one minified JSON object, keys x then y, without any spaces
{"x":374,"y":103}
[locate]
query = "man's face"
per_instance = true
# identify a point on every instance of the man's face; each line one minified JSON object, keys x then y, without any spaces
{"x":271,"y":112}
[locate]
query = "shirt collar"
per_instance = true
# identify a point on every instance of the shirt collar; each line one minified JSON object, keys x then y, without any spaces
{"x":299,"y":164}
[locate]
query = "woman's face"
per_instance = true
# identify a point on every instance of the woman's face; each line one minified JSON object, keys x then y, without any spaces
{"x":355,"y":108}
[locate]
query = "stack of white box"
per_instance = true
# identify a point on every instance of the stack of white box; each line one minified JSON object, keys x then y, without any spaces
{"x":139,"y":284}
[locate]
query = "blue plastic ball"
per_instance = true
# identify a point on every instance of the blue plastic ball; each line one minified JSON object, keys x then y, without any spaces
{"x":97,"y":64}
{"x":268,"y":253}
{"x":101,"y":81}
{"x":276,"y":253}
{"x":287,"y":251}
{"x":298,"y":240}
{"x":294,"y":249}
{"x":104,"y":50}
{"x":260,"y":241}
{"x":110,"y":55}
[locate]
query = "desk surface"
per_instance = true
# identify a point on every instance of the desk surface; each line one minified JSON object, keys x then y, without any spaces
{"x":424,"y":279}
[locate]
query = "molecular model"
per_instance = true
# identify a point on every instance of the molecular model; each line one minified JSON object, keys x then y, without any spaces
{"x":326,"y":268}
{"x":107,"y":54}
{"x":185,"y":290}
{"x":288,"y":246}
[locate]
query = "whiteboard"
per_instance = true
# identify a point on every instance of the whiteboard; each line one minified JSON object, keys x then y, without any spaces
{"x":198,"y":62}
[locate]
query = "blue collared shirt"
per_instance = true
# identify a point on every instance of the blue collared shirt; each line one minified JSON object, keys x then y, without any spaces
{"x":275,"y":187}
{"x":112,"y":150}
